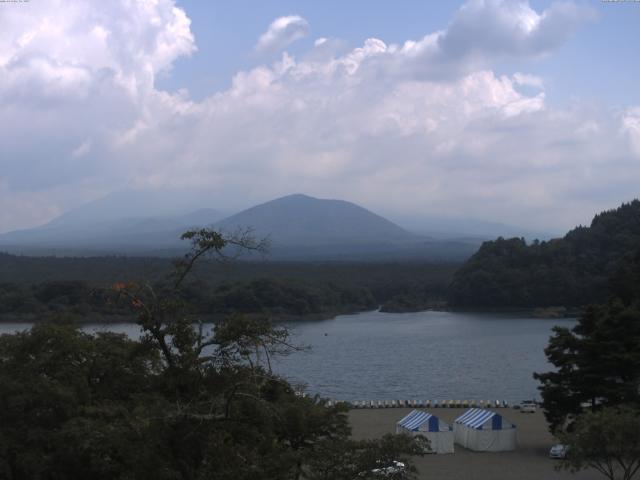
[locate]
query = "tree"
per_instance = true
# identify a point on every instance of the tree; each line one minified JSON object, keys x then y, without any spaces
{"x":572,"y":271}
{"x":365,"y":459}
{"x":597,"y":363}
{"x":607,"y":441}
{"x":72,"y":405}
{"x":184,"y":402}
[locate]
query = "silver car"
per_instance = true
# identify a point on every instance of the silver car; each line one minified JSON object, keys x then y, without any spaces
{"x":559,"y":451}
{"x":528,"y":407}
{"x":395,"y":469}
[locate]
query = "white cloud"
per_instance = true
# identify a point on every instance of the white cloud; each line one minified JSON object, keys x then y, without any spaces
{"x":82,"y":149}
{"x":282,"y":32}
{"x":73,"y":79}
{"x":425,"y":127}
{"x":510,"y":27}
{"x":528,"y":80}
{"x":631,"y":126}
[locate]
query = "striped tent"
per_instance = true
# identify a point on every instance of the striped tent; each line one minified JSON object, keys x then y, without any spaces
{"x":484,"y":431}
{"x":439,"y":433}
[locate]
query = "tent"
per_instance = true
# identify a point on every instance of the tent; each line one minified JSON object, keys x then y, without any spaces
{"x":484,"y":431}
{"x":439,"y":433}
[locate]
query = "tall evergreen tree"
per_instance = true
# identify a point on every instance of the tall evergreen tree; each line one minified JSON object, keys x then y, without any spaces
{"x":597,"y":361}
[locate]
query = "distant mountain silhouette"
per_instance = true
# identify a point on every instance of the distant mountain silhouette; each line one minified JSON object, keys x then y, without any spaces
{"x":69,"y":235}
{"x":299,"y":228}
{"x":446,"y":228}
{"x":303,"y":220}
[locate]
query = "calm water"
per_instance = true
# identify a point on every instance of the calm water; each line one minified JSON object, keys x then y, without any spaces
{"x":425,"y":355}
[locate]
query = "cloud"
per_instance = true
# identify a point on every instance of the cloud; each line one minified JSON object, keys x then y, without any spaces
{"x":481,"y":33}
{"x":282,"y":32}
{"x":631,"y":127}
{"x":74,"y":79}
{"x":490,"y":28}
{"x":82,"y":149}
{"x":426,"y":127}
{"x":528,"y":80}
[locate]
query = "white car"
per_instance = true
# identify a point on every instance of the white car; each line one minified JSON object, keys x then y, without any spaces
{"x":392,"y":470}
{"x":528,"y":407}
{"x":559,"y":451}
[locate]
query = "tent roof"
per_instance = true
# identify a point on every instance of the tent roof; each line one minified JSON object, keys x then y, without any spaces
{"x":476,"y":417}
{"x":415,"y":420}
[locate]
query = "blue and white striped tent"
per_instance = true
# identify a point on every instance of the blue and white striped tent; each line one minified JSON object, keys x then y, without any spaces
{"x":484,"y":431}
{"x":439,"y":433}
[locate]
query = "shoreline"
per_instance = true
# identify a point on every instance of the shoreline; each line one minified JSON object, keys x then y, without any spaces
{"x":542,"y":313}
{"x":531,"y":312}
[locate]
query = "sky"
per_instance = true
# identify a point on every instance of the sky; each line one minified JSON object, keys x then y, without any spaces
{"x":522,"y":112}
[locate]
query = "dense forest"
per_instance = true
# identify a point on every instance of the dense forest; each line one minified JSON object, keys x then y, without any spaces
{"x":37,"y":288}
{"x":572,"y":271}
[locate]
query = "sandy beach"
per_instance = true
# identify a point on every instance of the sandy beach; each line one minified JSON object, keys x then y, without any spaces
{"x":528,"y":461}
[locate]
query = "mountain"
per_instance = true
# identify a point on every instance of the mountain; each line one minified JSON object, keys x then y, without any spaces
{"x":575,"y":270}
{"x":302,"y":227}
{"x":299,"y":227}
{"x":303,"y":220}
{"x":448,"y":228}
{"x":73,"y":234}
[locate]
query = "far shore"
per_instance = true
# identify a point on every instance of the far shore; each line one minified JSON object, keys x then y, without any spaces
{"x":532,"y":312}
{"x":91,"y":318}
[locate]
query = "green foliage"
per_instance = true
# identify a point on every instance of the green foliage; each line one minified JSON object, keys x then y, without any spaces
{"x":68,"y":401}
{"x":279,"y":297}
{"x":625,"y":283}
{"x":350,"y":459}
{"x":597,"y":362}
{"x":571,"y":271}
{"x":279,"y":290}
{"x":607,"y":441}
{"x":180,"y":403}
{"x":413,"y":302}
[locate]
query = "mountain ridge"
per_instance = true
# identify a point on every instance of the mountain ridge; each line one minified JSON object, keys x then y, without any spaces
{"x":301,"y":218}
{"x":299,"y":226}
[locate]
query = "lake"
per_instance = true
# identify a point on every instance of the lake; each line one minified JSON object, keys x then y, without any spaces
{"x":424,"y":355}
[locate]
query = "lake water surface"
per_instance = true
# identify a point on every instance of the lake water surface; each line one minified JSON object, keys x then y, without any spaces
{"x":424,"y":355}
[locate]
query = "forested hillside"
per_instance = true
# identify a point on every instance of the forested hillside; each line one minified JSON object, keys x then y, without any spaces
{"x":35,"y":288}
{"x":571,"y":271}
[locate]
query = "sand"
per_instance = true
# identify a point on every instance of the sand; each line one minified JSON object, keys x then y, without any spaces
{"x":529,"y":461}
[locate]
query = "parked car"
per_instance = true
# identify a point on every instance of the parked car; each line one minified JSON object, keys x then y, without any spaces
{"x":559,"y":451}
{"x":528,"y":406}
{"x":395,"y":470}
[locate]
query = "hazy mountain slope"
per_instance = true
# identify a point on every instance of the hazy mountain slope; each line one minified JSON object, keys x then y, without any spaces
{"x":109,"y":234}
{"x":137,"y":204}
{"x":303,"y":220}
{"x":299,"y":227}
{"x":306,"y":228}
{"x":447,"y":228}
